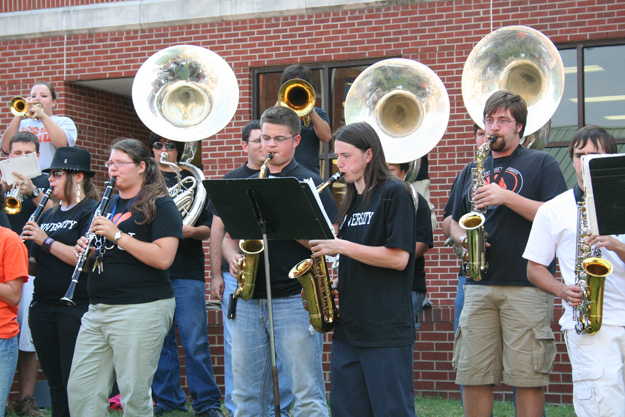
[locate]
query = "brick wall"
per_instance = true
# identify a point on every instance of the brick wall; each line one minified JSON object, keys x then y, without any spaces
{"x":440,"y":34}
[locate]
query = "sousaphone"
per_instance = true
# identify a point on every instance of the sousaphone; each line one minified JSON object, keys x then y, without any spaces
{"x":520,"y":60}
{"x":407,"y":105}
{"x":186,"y":93}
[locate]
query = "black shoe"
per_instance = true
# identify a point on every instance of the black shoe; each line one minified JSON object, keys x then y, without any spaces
{"x":213,"y":412}
{"x":158,"y":411}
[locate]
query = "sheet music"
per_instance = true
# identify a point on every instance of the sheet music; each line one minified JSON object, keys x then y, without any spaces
{"x":591,"y":198}
{"x":26,"y":165}
{"x":312,"y":186}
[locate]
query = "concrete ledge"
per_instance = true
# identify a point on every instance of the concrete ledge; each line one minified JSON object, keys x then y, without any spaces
{"x":139,"y":14}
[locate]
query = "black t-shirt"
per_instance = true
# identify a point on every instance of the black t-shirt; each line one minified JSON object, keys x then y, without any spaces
{"x":307,"y":152}
{"x":189,"y":261}
{"x":376,"y":303}
{"x":241,"y":172}
{"x":530,"y":173}
{"x":424,"y":235}
{"x":285,"y":254}
{"x":18,"y":220}
{"x":54,"y":275}
{"x":124,"y":279}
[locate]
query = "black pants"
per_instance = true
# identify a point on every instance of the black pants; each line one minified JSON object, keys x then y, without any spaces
{"x":54,"y":330}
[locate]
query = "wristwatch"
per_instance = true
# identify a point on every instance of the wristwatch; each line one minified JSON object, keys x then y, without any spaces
{"x":35,"y":193}
{"x":117,"y":236}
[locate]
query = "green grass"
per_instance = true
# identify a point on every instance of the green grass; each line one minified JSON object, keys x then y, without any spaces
{"x":425,"y":407}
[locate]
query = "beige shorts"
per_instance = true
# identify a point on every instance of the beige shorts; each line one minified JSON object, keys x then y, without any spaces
{"x":504,"y":335}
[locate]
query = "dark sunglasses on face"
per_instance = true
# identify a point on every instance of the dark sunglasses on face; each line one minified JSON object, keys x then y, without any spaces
{"x":57,"y":174}
{"x":170,"y":146}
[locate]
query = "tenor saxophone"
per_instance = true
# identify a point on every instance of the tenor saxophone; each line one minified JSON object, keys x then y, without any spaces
{"x":474,"y":258}
{"x":590,"y":275}
{"x":317,"y":284}
{"x":248,"y":265}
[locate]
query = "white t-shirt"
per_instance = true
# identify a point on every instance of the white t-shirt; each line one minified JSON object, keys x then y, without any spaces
{"x":46,"y":148}
{"x":554,"y":233}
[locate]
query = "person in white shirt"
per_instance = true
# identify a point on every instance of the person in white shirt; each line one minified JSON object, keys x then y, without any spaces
{"x":597,"y":359}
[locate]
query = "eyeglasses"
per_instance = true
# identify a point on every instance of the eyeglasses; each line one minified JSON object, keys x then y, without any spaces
{"x":170,"y":146}
{"x":58,"y":174}
{"x":118,"y":164}
{"x":256,"y":141}
{"x":501,"y":122}
{"x":279,"y":139}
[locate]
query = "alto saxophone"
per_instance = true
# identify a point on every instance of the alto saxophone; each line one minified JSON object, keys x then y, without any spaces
{"x":317,"y":284}
{"x":474,"y":258}
{"x":590,"y":274}
{"x":248,"y":265}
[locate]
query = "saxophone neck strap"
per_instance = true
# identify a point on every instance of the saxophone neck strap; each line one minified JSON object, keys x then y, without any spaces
{"x":579,"y":193}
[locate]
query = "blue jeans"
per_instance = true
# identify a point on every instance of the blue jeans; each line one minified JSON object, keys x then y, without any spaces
{"x":298,"y":348}
{"x":190,"y":317}
{"x":8,"y":353}
{"x":459,"y":301}
{"x":417,"y":307}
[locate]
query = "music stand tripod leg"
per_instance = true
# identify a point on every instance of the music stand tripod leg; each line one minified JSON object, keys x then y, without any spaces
{"x":272,"y":343}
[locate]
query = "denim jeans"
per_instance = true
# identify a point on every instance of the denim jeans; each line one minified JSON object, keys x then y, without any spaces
{"x":190,"y":317}
{"x":417,"y":307}
{"x":459,"y":301}
{"x":286,"y":395}
{"x":8,"y":353}
{"x":298,"y":347}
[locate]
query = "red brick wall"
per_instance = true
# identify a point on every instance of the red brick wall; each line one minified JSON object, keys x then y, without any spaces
{"x":439,"y":34}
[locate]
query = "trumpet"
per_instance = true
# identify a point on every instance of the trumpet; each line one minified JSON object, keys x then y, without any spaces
{"x":299,"y":96}
{"x":14,"y":200}
{"x":317,"y":285}
{"x":248,"y":265}
{"x":20,"y":107}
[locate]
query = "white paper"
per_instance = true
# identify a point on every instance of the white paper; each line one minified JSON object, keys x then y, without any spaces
{"x":26,"y":165}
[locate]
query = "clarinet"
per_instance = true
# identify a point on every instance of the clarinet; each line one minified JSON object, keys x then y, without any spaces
{"x":36,"y":216}
{"x":80,"y":264}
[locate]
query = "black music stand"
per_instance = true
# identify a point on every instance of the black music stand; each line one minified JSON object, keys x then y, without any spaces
{"x":604,"y":183}
{"x":271,"y":209}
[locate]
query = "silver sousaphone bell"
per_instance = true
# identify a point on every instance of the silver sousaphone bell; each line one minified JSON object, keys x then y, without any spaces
{"x":520,"y":60}
{"x":186,"y":93}
{"x":406,"y":104}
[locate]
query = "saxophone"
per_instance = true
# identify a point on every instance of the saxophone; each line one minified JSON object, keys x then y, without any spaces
{"x":590,"y":274}
{"x":248,"y":265}
{"x":317,"y":284}
{"x":474,"y":258}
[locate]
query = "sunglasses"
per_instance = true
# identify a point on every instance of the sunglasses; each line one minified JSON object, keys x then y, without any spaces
{"x":57,"y":174}
{"x":170,"y":146}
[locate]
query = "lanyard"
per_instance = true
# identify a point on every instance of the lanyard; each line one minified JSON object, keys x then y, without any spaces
{"x":125,"y":210}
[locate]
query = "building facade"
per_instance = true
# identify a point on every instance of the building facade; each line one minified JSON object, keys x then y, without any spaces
{"x":90,"y":51}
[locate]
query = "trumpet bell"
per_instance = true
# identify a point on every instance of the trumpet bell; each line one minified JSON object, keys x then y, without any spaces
{"x":518,"y":59}
{"x":13,"y":201}
{"x":298,"y":95}
{"x":18,"y":106}
{"x":406,"y":104}
{"x":176,"y":90}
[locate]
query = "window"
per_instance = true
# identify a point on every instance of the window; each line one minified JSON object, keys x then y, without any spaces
{"x":594,"y":93}
{"x":331,"y":82}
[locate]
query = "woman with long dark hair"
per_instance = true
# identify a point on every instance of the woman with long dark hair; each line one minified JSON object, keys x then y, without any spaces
{"x":373,"y":342}
{"x":54,"y":325}
{"x":132,"y":299}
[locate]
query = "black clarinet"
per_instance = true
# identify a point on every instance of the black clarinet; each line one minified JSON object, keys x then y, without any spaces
{"x":36,"y":216}
{"x":80,"y":264}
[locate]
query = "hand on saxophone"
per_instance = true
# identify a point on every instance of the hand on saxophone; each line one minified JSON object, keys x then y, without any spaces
{"x":233,"y":263}
{"x":490,"y":195}
{"x":330,"y":247}
{"x":609,"y":242}
{"x":572,"y":294}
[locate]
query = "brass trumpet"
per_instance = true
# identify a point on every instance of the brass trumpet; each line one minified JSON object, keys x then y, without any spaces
{"x":14,"y":201}
{"x":299,"y":96}
{"x":20,"y":107}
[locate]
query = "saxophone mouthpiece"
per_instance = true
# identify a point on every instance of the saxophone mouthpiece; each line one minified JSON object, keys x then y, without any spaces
{"x":269,"y":156}
{"x":492,"y":138}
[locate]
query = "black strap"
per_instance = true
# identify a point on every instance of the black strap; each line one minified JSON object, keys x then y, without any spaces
{"x":579,"y":193}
